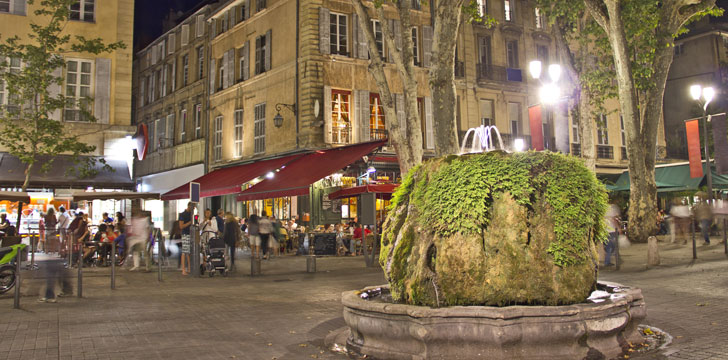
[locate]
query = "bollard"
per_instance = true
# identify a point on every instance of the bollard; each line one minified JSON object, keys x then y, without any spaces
{"x":311,"y":260}
{"x":617,"y":257}
{"x":195,"y":253}
{"x":69,"y":245}
{"x":32,"y":252}
{"x":113,"y":265}
{"x":653,"y":253}
{"x":725,"y":236}
{"x":16,"y":301}
{"x":254,"y":265}
{"x":159,"y":258}
{"x":695,"y":249}
{"x":80,"y":270}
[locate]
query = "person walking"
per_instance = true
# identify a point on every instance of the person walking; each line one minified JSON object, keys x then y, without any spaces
{"x":220,"y":219}
{"x":254,"y":235}
{"x":265,"y":228}
{"x":54,"y":272}
{"x":184,"y":222}
{"x":681,"y":216}
{"x":704,"y":214}
{"x":137,"y":239}
{"x":63,"y":222}
{"x":611,"y":222}
{"x":231,"y":236}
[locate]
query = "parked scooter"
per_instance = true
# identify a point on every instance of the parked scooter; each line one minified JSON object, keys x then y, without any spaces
{"x":7,"y":266}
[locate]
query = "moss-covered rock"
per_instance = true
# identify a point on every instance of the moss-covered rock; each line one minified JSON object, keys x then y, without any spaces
{"x":494,"y":229}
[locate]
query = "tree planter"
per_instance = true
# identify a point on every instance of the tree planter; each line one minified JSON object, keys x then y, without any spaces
{"x":580,"y":331}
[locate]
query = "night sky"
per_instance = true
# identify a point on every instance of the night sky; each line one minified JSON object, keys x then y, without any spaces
{"x":149,"y":16}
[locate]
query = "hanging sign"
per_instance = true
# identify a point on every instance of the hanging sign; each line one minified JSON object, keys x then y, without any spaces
{"x":692,"y":130}
{"x":142,"y":141}
{"x":534,"y":119}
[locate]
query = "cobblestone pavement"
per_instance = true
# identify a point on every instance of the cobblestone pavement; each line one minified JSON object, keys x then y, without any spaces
{"x":287,"y":313}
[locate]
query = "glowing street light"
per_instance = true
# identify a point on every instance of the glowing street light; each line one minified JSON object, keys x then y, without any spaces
{"x":519,"y":144}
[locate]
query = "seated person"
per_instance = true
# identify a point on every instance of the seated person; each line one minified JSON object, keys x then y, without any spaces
{"x":356,"y":239}
{"x":107,"y":237}
{"x":5,"y":226}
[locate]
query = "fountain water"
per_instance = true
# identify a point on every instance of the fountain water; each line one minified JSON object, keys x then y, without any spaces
{"x":482,"y":139}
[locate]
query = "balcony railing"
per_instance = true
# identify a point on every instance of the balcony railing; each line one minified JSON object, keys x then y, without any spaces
{"x":605,"y":152}
{"x":377,"y":134}
{"x":341,"y":135}
{"x":576,"y":149}
{"x":498,"y":73}
{"x":459,"y":69}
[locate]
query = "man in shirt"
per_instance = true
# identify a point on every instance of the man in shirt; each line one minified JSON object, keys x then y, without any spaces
{"x":220,"y":219}
{"x":63,"y":221}
{"x":106,"y":219}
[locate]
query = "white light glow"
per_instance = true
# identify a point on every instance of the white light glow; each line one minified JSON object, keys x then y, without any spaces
{"x":708,"y":95}
{"x":555,"y":72}
{"x":519,"y":144}
{"x":270,"y":175}
{"x":371,"y":169}
{"x":549,"y":93}
{"x":696,"y":91}
{"x":534,"y":67}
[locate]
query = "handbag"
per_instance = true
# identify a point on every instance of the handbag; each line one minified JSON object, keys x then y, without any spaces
{"x":623,"y":242}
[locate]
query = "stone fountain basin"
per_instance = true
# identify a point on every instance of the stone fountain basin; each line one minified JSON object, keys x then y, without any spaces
{"x":582,"y":331}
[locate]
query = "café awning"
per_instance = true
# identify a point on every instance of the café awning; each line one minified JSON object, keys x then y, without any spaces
{"x":226,"y":181}
{"x":357,"y":190}
{"x":297,"y":176}
{"x":674,"y":177}
{"x":15,"y":196}
{"x":113,"y":195}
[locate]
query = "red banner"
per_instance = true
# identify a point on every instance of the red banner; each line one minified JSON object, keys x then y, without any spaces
{"x":692,"y":130}
{"x":534,"y":119}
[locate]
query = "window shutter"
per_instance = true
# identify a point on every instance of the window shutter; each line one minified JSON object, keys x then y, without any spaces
{"x":162,"y":132}
{"x":142,"y":92}
{"x":162,"y":51}
{"x":19,"y":7}
{"x":268,"y":49}
{"x":212,"y":76}
{"x":170,"y":129}
{"x":324,"y":30}
{"x":401,"y":118}
{"x":154,"y":54}
{"x":394,"y":27}
{"x":355,"y":36}
{"x":102,"y":93}
{"x":230,"y":69}
{"x":363,"y":110}
{"x":213,"y":28}
{"x":171,"y":42}
{"x":362,"y":44}
{"x":174,"y":75}
{"x":328,"y":126}
{"x":247,"y":9}
{"x":246,"y":61}
{"x":224,"y":66}
{"x":429,"y":124}
{"x":426,"y":46}
{"x":200,"y":25}
{"x":185,"y":34}
{"x":55,"y":89}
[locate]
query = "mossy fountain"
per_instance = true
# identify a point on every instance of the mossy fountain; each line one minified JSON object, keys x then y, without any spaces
{"x":493,"y":255}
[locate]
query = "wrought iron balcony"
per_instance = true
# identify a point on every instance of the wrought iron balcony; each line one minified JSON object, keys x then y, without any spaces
{"x":498,"y":73}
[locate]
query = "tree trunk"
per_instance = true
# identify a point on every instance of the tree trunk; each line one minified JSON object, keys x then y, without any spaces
{"x":27,"y":177}
{"x":442,"y":75}
{"x":586,"y":130}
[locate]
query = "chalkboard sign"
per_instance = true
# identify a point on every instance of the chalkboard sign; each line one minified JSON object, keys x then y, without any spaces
{"x":324,"y":244}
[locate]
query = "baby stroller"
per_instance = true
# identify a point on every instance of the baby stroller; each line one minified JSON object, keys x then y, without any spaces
{"x":215,"y":256}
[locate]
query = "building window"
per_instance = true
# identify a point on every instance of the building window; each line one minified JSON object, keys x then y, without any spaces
{"x":482,"y":8}
{"x":512,"y":54}
{"x":217,"y":140}
{"x":78,"y":89}
{"x":82,"y":10}
{"x":238,"y":133}
{"x":510,"y":10}
{"x":5,"y":6}
{"x":260,"y":54}
{"x":200,"y":62}
{"x":542,"y":53}
{"x":10,"y":101}
{"x":514,"y":117}
{"x":260,"y":5}
{"x":185,"y":69}
{"x":575,"y":131}
{"x":378,"y":38}
{"x":198,"y":121}
{"x":415,"y":47}
{"x":484,"y":49}
{"x":679,"y":49}
{"x":183,"y":125}
{"x":338,"y":34}
{"x":540,"y":21}
{"x":621,"y":128}
{"x":602,"y":130}
{"x":222,"y":75}
{"x":416,"y":5}
{"x":377,"y":130}
{"x":259,"y":124}
{"x":487,"y":115}
{"x":150,"y":88}
{"x":163,"y":84}
{"x":341,"y":116}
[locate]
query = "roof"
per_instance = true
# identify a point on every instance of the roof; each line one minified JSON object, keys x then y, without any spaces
{"x":12,"y":173}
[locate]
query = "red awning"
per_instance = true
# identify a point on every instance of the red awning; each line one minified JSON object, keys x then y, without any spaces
{"x":355,"y":191}
{"x":228,"y":180}
{"x":300,"y":174}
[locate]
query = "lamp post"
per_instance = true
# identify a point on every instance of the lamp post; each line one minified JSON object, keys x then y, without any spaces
{"x":704,"y":95}
{"x":549,"y":94}
{"x":278,"y":119}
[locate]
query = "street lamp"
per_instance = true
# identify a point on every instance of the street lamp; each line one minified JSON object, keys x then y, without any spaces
{"x":278,"y":119}
{"x":550,"y":92}
{"x":704,"y":95}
